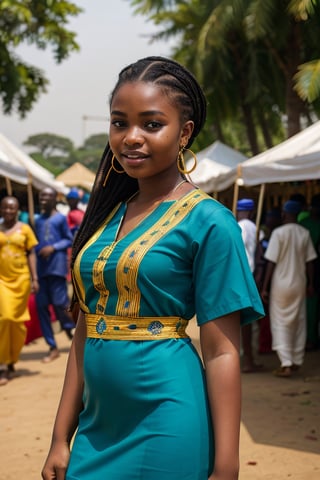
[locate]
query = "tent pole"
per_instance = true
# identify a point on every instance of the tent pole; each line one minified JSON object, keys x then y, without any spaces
{"x":236,"y":189}
{"x":8,"y":186}
{"x":30,"y":200}
{"x":235,"y":197}
{"x":259,"y":209}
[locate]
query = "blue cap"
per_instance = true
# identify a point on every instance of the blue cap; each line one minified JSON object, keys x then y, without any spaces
{"x":245,"y":204}
{"x":291,"y":206}
{"x":73,"y":194}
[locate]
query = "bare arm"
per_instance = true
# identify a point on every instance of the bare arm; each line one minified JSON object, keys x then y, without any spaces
{"x":32,"y":263}
{"x":267,"y":281}
{"x":220,"y":344}
{"x":69,"y":408}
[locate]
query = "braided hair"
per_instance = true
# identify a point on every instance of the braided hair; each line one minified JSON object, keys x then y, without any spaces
{"x":183,"y":90}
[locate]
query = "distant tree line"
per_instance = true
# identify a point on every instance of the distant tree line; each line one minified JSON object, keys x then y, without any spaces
{"x":257,"y":60}
{"x":57,"y":153}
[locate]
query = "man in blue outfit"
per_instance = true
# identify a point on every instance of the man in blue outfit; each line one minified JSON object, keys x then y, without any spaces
{"x":54,"y":238}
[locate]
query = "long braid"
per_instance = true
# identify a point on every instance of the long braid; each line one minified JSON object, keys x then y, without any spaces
{"x":102,"y":200}
{"x":183,"y":90}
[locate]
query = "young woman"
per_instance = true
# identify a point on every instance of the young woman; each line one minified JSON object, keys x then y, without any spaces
{"x":152,"y":252}
{"x":17,"y":276}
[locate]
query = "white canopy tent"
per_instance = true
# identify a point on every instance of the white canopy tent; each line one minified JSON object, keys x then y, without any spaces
{"x":295,"y":159}
{"x":16,"y":166}
{"x":30,"y":171}
{"x":217,"y":167}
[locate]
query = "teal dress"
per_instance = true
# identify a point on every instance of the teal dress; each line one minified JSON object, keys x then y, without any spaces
{"x":146,"y":413}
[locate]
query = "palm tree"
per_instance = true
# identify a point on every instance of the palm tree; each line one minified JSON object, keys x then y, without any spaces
{"x":247,"y":54}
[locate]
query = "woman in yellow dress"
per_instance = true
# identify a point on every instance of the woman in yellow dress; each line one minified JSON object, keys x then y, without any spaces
{"x":17,"y":271}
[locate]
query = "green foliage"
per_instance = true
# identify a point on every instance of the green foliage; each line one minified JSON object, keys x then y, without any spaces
{"x":245,"y":55}
{"x":308,"y":80}
{"x":56,"y":153}
{"x":49,"y":144}
{"x":48,"y":164}
{"x":94,"y":142}
{"x":38,"y":22}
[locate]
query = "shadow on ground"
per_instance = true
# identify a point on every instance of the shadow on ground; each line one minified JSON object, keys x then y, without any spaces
{"x":284,"y":412}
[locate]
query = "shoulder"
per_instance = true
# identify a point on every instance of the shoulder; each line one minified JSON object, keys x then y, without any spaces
{"x":208,"y":205}
{"x":59,"y":217}
{"x":210,"y":217}
{"x":25,"y":227}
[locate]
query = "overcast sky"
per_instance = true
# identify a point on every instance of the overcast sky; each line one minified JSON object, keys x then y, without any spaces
{"x":110,"y":37}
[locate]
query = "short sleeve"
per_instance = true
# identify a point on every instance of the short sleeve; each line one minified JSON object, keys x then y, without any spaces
{"x":311,"y":254}
{"x":273,"y":250}
{"x":222,"y":277}
{"x":31,"y":240}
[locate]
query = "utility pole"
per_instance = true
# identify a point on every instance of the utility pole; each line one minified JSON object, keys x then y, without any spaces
{"x":86,"y":118}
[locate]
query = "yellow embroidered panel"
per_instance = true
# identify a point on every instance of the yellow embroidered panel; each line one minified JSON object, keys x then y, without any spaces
{"x":127,"y":269}
{"x":97,"y":273}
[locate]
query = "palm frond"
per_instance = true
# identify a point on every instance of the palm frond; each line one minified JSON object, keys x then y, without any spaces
{"x":307,"y":81}
{"x":301,"y":9}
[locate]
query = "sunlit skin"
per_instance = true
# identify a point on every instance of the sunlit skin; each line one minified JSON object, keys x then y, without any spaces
{"x":47,"y":201}
{"x":9,"y":208}
{"x":9,"y":211}
{"x":145,"y":135}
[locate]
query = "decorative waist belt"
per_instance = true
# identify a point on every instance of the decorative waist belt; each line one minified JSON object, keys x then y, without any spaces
{"x":113,"y":327}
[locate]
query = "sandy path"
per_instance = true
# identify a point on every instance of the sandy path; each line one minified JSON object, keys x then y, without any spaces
{"x":280,"y":432}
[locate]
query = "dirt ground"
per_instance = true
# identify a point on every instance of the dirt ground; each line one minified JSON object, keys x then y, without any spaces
{"x":280,"y":431}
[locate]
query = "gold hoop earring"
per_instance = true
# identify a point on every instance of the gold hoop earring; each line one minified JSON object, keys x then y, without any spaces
{"x":112,"y":165}
{"x":111,"y":168}
{"x":182,"y":164}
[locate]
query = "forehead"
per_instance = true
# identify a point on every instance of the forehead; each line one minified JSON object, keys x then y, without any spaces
{"x":47,"y":192}
{"x":9,"y":202}
{"x":142,"y":95}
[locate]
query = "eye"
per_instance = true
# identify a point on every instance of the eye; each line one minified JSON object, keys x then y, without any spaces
{"x":153,"y":125}
{"x":118,"y":123}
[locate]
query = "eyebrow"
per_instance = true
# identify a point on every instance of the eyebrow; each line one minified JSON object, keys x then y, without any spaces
{"x":141,"y":114}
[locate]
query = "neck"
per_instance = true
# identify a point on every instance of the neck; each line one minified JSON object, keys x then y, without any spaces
{"x":9,"y":224}
{"x":149,"y":193}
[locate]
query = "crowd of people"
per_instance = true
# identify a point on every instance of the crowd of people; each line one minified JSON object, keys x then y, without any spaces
{"x":150,"y":253}
{"x":284,"y":259}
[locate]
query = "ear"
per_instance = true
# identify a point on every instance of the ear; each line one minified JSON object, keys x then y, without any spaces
{"x":186,"y":132}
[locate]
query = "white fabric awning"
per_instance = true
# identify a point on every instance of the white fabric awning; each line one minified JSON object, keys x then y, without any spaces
{"x":295,"y":159}
{"x":217,"y":167}
{"x":20,"y":167}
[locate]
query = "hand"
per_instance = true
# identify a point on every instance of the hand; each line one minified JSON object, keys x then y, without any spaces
{"x":46,"y":251}
{"x":34,"y":286}
{"x":56,"y":464}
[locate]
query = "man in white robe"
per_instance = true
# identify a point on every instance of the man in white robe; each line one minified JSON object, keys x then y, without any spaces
{"x":289,"y":274}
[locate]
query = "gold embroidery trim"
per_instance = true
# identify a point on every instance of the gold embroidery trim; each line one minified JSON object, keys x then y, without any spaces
{"x":128,"y":265}
{"x":112,"y":327}
{"x":78,"y":283}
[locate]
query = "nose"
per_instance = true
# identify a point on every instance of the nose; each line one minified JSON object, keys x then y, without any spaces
{"x":133,"y":136}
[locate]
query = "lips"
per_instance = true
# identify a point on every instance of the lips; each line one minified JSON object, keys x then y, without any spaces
{"x":134,"y":158}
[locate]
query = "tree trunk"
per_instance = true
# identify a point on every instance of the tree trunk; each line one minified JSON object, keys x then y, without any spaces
{"x":264,"y":128}
{"x":245,"y":107}
{"x":294,"y":104}
{"x":250,"y":128}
